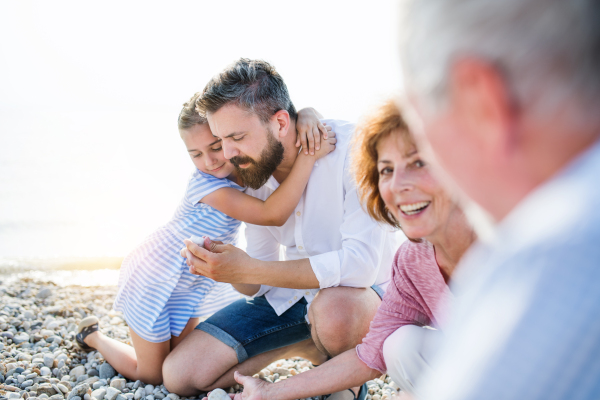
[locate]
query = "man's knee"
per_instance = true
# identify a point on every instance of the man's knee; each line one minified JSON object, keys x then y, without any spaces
{"x":183,"y":372}
{"x":340,"y":317}
{"x":170,"y":372}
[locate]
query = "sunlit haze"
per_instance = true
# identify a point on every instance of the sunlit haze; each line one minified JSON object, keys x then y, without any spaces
{"x":90,"y":157}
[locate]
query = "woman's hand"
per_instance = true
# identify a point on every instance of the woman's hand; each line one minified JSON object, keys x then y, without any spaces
{"x":254,"y":389}
{"x":309,"y":130}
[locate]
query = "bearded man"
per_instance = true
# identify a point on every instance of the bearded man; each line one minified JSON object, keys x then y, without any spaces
{"x":320,"y":301}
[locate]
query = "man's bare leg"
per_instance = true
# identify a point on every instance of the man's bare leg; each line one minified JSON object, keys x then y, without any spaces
{"x":305,"y":349}
{"x":342,"y":310}
{"x":201,"y":362}
{"x":340,"y":317}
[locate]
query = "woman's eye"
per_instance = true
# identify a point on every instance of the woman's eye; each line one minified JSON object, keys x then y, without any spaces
{"x":419,"y":164}
{"x":197,"y":155}
{"x":385,"y":171}
{"x":237,"y":139}
{"x":218,"y":148}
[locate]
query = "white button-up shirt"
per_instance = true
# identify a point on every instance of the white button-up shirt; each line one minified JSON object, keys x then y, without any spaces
{"x":329,"y":227}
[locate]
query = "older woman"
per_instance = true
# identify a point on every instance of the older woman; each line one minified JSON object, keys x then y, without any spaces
{"x":397,"y":188}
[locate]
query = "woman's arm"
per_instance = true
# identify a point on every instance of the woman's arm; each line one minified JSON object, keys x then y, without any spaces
{"x":277,"y":208}
{"x":342,"y":372}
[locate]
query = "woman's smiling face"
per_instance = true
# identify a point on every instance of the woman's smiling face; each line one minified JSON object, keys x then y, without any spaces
{"x":409,"y":190}
{"x":206,"y":151}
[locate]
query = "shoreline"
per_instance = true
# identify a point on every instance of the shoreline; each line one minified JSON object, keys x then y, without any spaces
{"x":39,"y":358}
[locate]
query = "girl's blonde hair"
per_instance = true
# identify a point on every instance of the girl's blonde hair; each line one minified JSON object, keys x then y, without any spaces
{"x":188,"y":116}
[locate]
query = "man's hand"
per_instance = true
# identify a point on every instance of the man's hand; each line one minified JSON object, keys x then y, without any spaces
{"x":221,"y":262}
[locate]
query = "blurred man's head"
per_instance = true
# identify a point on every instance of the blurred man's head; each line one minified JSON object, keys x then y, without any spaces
{"x":506,"y":91}
{"x":249,"y":107}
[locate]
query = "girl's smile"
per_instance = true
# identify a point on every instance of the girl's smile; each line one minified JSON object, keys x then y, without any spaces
{"x":206,"y":151}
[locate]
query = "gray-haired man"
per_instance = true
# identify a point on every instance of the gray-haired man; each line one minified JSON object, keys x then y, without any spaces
{"x":507,"y":92}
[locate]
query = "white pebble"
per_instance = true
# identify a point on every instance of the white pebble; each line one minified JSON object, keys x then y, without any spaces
{"x":218,"y":394}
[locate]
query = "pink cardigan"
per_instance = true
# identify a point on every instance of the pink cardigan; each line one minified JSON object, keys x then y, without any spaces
{"x":416,"y":295}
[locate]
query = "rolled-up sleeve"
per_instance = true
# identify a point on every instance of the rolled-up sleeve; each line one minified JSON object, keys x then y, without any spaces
{"x":357,"y":263}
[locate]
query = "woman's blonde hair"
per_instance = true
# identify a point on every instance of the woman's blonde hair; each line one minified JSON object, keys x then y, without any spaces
{"x":387,"y":120}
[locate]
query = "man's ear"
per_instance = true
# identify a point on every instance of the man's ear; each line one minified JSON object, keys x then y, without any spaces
{"x":282,"y":121}
{"x":481,"y":98}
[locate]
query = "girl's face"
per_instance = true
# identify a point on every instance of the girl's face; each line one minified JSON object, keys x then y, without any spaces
{"x":409,"y":190}
{"x":206,"y":151}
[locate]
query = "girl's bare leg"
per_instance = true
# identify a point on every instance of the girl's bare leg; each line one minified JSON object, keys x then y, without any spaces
{"x":189,"y":327}
{"x":144,"y":360}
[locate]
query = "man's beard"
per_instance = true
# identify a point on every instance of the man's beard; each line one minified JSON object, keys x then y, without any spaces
{"x":258,"y":173}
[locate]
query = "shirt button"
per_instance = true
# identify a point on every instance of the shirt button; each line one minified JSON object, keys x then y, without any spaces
{"x":300,"y":247}
{"x":298,"y":213}
{"x":307,"y":292}
{"x":290,"y":302}
{"x":295,"y":297}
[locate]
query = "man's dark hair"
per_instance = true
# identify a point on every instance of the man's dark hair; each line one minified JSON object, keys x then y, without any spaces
{"x":253,"y":85}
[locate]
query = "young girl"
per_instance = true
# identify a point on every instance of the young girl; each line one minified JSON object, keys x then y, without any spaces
{"x":161,"y":300}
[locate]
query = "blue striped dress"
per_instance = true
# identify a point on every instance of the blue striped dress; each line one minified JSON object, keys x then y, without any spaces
{"x":157,"y":294}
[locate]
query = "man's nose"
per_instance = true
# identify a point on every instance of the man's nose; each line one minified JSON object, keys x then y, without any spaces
{"x":229,"y":149}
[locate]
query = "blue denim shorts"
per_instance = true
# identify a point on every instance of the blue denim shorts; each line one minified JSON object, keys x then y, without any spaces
{"x":251,"y":326}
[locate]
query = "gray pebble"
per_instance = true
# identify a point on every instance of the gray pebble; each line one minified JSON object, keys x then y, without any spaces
{"x":27,"y":383}
{"x":118,"y":384}
{"x":79,"y":390}
{"x":112,"y":393}
{"x":99,"y":393}
{"x":48,"y":360}
{"x":44,"y":293}
{"x":107,"y":371}
{"x":139,"y":393}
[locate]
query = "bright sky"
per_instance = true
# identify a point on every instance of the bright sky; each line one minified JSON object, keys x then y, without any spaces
{"x":90,"y":93}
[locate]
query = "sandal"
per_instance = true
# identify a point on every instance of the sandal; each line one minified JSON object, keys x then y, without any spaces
{"x":87,"y":326}
{"x":349,"y":394}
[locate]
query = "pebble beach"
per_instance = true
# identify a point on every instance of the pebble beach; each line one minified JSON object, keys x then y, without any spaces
{"x":39,"y":358}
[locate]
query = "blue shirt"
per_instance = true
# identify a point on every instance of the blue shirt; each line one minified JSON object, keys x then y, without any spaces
{"x":527,"y":319}
{"x":193,"y":218}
